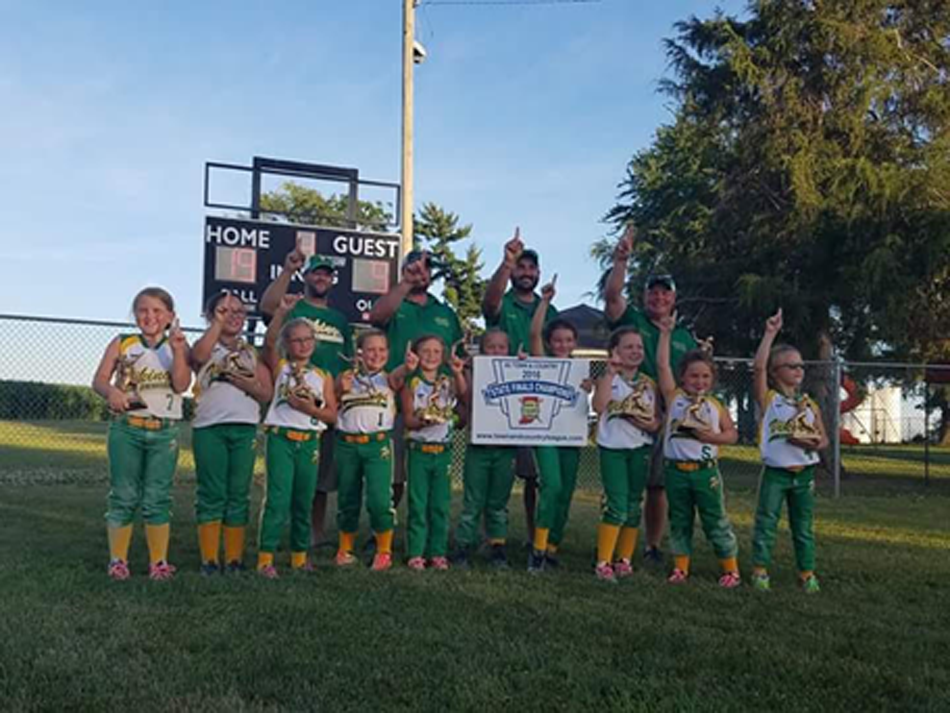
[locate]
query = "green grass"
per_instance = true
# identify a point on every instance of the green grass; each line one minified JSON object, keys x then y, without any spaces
{"x":875,"y":639}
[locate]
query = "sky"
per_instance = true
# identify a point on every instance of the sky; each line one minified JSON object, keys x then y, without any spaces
{"x":526,"y":115}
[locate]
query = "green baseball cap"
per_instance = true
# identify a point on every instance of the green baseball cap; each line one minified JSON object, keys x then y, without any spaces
{"x":319,"y":261}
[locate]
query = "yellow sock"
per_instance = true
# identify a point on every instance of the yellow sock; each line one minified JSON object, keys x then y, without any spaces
{"x":541,"y":538}
{"x":265,"y":559}
{"x":347,"y":541}
{"x":233,"y":544}
{"x":496,"y":541}
{"x":729,"y":564}
{"x":384,"y":542}
{"x":681,"y":562}
{"x":209,"y":533}
{"x":760,"y":571}
{"x":806,"y":574}
{"x":552,"y":549}
{"x":157,"y":537}
{"x":119,"y":540}
{"x":606,"y":541}
{"x":298,"y":559}
{"x":627,"y":543}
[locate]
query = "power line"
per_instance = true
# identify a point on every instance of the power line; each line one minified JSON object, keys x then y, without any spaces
{"x":507,"y":2}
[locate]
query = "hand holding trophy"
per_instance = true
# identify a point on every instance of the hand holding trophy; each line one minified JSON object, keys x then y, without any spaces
{"x":128,"y":397}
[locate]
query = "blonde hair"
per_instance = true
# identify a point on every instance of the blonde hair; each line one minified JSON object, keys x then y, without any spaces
{"x":291,"y":326}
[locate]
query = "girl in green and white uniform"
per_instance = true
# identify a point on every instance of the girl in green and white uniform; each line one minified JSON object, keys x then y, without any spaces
{"x":791,"y":434}
{"x":628,"y":404}
{"x":429,"y":400}
{"x":364,"y":450}
{"x":232,"y":383}
{"x":143,"y":376}
{"x":303,"y":404}
{"x":696,"y":425}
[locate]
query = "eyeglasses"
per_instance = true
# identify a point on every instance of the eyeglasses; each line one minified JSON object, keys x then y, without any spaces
{"x":796,"y":367}
{"x":301,"y":340}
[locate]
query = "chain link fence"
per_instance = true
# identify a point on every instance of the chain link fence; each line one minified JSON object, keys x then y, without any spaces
{"x":888,"y":422}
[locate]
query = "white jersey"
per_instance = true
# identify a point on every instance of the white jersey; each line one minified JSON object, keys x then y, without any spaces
{"x":281,"y":413}
{"x":219,"y":401}
{"x":679,"y":442}
{"x":775,"y":429}
{"x":145,"y":373}
{"x":368,"y":407}
{"x":613,"y":430}
{"x":439,"y":396}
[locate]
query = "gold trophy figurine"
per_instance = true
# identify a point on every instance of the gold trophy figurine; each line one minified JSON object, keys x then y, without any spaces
{"x":440,"y":404}
{"x":299,"y":386}
{"x":635,"y":404}
{"x":694,"y":419}
{"x":127,"y":381}
{"x":238,"y":362}
{"x":801,"y":430}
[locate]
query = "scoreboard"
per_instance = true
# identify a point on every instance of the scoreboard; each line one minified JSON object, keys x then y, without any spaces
{"x":245,"y":256}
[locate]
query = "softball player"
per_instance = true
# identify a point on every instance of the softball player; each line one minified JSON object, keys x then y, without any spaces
{"x":150,"y":371}
{"x":303,"y":403}
{"x":628,"y":405}
{"x":364,"y":449}
{"x":696,"y":425}
{"x":488,"y":478}
{"x":429,"y":399}
{"x":232,"y":383}
{"x":790,"y":436}
{"x":558,"y":464}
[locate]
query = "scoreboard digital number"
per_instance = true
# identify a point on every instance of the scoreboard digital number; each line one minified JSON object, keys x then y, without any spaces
{"x":244,"y":256}
{"x":235,"y":265}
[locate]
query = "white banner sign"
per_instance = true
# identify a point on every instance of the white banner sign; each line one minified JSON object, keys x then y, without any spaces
{"x":529,"y":402}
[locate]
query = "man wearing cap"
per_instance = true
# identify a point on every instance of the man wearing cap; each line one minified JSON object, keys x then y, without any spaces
{"x":334,"y":345}
{"x":512,"y":312}
{"x":406,"y":312}
{"x":659,"y":301}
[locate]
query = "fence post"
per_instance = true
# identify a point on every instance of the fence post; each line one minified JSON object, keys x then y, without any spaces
{"x":836,"y":372}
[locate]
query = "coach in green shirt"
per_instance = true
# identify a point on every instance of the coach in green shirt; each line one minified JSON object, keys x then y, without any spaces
{"x":659,"y":300}
{"x":512,"y":312}
{"x":406,"y":312}
{"x":334,"y":345}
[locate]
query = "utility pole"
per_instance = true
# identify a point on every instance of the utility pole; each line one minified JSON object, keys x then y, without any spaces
{"x":408,"y":58}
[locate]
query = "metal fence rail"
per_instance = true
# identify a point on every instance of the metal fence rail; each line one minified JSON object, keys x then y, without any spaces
{"x":887,"y":423}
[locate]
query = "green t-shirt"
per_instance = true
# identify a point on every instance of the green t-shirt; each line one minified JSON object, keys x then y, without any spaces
{"x":514,"y":319}
{"x":334,"y":336}
{"x":681,"y":341}
{"x":413,"y":320}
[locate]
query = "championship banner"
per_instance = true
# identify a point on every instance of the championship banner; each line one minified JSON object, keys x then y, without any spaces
{"x":529,"y":402}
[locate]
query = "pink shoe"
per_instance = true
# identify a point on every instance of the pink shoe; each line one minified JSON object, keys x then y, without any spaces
{"x":416,"y":564}
{"x":345,"y":559}
{"x":623,"y":568}
{"x":730,"y":580}
{"x":161,"y":571}
{"x":306,"y":567}
{"x":440,"y":564}
{"x":605,"y":573}
{"x":268,"y":572}
{"x":678,"y":577}
{"x":119,"y":570}
{"x":382,"y":561}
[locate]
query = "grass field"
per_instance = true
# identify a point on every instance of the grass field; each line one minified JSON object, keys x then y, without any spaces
{"x":876,"y":638}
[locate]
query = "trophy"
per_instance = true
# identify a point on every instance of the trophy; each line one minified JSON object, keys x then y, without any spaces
{"x":635,"y":405}
{"x":440,"y":404}
{"x":693,"y":420}
{"x":801,"y":430}
{"x":127,"y":381}
{"x":239,"y":361}
{"x":299,"y":386}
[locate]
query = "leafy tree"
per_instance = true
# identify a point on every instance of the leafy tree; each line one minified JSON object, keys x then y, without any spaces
{"x":307,"y":206}
{"x":438,"y":231}
{"x":807,"y":166}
